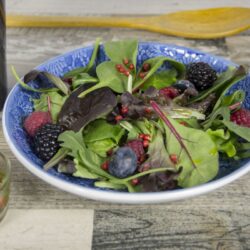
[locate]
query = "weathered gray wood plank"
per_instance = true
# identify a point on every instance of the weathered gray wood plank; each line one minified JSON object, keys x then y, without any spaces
{"x":113,"y":7}
{"x":172,"y":228}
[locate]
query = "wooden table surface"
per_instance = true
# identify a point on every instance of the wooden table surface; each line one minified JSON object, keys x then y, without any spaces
{"x":43,"y":217}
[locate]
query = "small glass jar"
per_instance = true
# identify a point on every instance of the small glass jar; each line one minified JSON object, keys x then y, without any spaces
{"x":3,"y":80}
{"x":4,"y":184}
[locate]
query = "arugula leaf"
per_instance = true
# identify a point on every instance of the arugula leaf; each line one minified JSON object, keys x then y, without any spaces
{"x":58,"y":82}
{"x":222,"y":84}
{"x":87,"y":158}
{"x":225,"y":101}
{"x":90,"y":65}
{"x":108,"y":184}
{"x":133,"y":131}
{"x":82,"y":78}
{"x":119,"y":50}
{"x":161,"y":79}
{"x":60,"y":155}
{"x":27,"y":87}
{"x":108,"y":77}
{"x":243,"y":132}
{"x":57,"y":102}
{"x":83,"y":172}
{"x":155,"y":63}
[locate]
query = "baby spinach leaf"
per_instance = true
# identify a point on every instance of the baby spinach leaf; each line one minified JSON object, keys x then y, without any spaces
{"x":101,"y":136}
{"x":119,"y":50}
{"x":108,"y":77}
{"x":90,"y":65}
{"x":83,"y":78}
{"x":100,"y":129}
{"x":155,"y":63}
{"x":222,"y":84}
{"x":56,"y":101}
{"x":161,"y":79}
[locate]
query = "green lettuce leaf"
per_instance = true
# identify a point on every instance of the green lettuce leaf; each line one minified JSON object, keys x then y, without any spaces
{"x":202,"y":150}
{"x":223,"y":141}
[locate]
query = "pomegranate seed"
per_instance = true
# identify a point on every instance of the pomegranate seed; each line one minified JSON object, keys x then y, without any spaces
{"x":109,"y":152}
{"x":145,"y":167}
{"x":173,"y":158}
{"x":121,"y":70}
{"x":145,"y":143}
{"x":142,"y":75}
{"x":105,"y":165}
{"x":124,"y":110}
{"x":147,"y":137}
{"x":118,"y":66}
{"x":135,"y":181}
{"x":141,"y":136}
{"x":125,"y":61}
{"x":169,"y":92}
{"x":148,"y":110}
{"x":126,"y":73}
{"x":146,"y":67}
{"x":183,"y":123}
{"x":68,"y":80}
{"x":118,"y":118}
{"x":131,"y":66}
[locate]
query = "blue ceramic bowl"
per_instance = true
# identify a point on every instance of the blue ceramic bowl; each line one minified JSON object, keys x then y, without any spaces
{"x":19,"y":105}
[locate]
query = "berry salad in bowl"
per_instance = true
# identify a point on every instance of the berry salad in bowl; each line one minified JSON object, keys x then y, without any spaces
{"x":132,"y":122}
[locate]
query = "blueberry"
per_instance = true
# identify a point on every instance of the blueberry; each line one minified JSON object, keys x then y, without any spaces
{"x":182,"y":85}
{"x":123,"y":163}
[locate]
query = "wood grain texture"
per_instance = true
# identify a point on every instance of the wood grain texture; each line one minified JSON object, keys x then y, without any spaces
{"x":172,"y":228}
{"x":218,"y":220}
{"x":113,"y":7}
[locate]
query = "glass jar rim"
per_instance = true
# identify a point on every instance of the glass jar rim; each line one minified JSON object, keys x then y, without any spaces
{"x":7,"y":170}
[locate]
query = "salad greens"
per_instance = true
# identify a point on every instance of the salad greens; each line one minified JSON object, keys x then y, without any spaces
{"x":119,"y":110}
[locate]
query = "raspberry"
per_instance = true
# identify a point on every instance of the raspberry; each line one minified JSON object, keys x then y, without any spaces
{"x":241,"y":117}
{"x":137,"y":147}
{"x":45,"y":141}
{"x":169,"y":92}
{"x":35,"y":121}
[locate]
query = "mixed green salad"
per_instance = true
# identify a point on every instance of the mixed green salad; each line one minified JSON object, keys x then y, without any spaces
{"x":141,"y":128}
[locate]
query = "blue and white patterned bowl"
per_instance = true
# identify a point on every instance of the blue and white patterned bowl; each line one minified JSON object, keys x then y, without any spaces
{"x":19,"y":105}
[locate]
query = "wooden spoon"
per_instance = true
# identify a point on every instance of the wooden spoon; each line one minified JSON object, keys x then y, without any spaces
{"x":201,"y":24}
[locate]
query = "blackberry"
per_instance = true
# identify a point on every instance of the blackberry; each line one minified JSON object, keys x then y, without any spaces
{"x":201,"y":75}
{"x":45,"y":141}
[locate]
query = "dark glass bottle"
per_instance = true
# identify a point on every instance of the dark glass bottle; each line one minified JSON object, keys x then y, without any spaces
{"x":3,"y":82}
